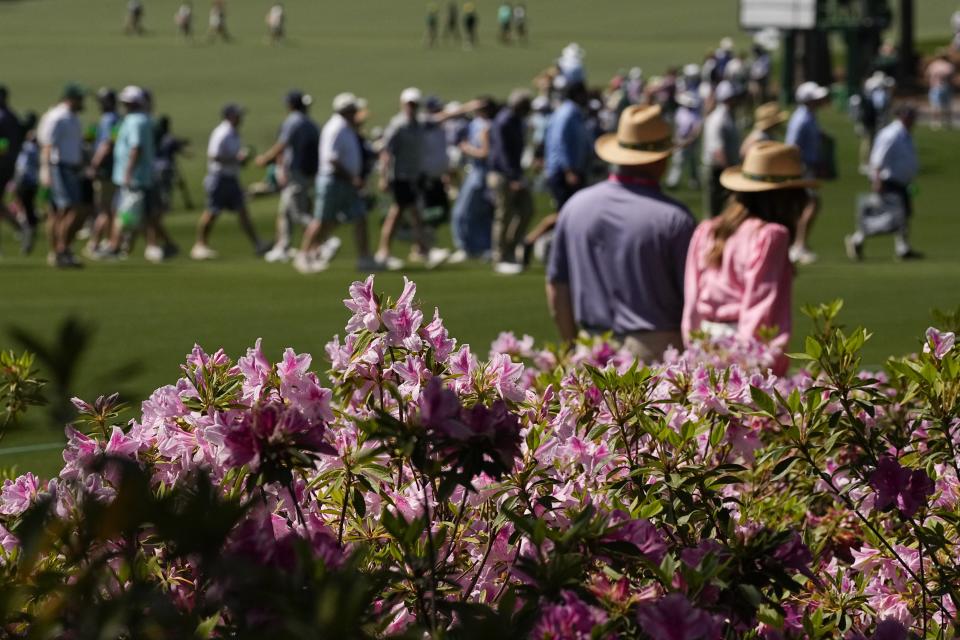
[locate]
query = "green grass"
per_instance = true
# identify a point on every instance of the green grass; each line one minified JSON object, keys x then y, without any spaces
{"x":154,"y":314}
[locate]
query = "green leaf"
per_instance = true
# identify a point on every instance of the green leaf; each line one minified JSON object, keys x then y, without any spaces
{"x":763,"y":401}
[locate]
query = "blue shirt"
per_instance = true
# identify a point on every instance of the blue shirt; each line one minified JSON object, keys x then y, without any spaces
{"x":507,"y":140}
{"x":566,"y":144}
{"x":622,"y":249}
{"x":136,"y":132}
{"x":893,"y":157}
{"x":804,"y":132}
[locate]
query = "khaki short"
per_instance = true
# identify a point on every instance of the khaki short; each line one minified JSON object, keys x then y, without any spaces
{"x":104,"y":195}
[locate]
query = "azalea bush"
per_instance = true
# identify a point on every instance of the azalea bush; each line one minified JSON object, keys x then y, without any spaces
{"x":410,"y":487}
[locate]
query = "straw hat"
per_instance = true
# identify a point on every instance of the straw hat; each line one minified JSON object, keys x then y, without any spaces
{"x":769,"y":166}
{"x":642,"y":137}
{"x":768,"y":116}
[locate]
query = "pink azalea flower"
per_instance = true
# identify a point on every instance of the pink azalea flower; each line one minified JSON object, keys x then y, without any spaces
{"x":256,"y":370}
{"x":571,"y":619}
{"x":365,"y":305}
{"x":672,"y":617}
{"x":413,"y":372}
{"x":402,"y":325}
{"x":508,"y":344}
{"x":505,"y":377}
{"x":17,"y":495}
{"x":436,"y":337}
{"x":939,"y":343}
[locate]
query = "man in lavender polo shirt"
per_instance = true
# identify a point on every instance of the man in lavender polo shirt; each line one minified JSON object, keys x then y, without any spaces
{"x":620,"y":246}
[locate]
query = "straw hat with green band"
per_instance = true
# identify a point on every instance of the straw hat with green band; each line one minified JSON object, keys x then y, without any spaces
{"x":642,"y":137}
{"x":769,"y":166}
{"x":768,"y":116}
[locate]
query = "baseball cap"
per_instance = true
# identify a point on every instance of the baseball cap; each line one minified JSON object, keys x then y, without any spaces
{"x":726,"y":44}
{"x":434,"y":104}
{"x":691,"y":70}
{"x":74,"y":91}
{"x":106,"y":95}
{"x":298,"y":99}
{"x":232,"y":109}
{"x":411,"y":94}
{"x":811,"y":92}
{"x":132,"y":95}
{"x":344,"y":101}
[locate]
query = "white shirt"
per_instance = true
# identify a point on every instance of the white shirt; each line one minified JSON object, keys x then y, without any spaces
{"x":894,"y":157}
{"x":223,"y":149}
{"x":720,"y":134}
{"x":275,"y":17}
{"x":60,"y":128}
{"x":339,"y":142}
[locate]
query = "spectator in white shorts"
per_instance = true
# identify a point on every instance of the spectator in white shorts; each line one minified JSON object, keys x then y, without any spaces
{"x":225,"y":155}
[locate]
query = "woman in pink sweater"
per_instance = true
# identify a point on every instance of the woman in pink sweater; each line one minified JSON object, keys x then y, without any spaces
{"x":738,"y":277}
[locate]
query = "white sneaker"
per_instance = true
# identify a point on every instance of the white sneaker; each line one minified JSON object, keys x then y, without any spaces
{"x":802,"y":256}
{"x":153,"y":254}
{"x":389,"y":263}
{"x":458,"y":257}
{"x":367,"y":264}
{"x":202,"y":252}
{"x":508,"y":268}
{"x":51,"y":259}
{"x":437,"y":257}
{"x":303,"y":263}
{"x":277,"y":254}
{"x":329,"y":248}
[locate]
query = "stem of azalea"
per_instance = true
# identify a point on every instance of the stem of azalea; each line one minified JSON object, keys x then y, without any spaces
{"x":296,"y":503}
{"x":483,"y":563}
{"x":456,"y":527}
{"x":348,"y":484}
{"x":923,"y":581}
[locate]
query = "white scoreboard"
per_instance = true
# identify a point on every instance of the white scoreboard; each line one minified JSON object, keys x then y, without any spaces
{"x":780,"y":14}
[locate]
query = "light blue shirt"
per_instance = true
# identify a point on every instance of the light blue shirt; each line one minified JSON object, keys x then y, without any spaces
{"x":136,"y":132}
{"x":566,"y":144}
{"x":804,"y":132}
{"x":894,"y":157}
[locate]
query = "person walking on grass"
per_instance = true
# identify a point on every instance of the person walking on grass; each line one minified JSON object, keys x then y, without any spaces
{"x":401,"y":173}
{"x":11,"y":139}
{"x":225,"y":155}
{"x":339,"y":183}
{"x":295,"y":154}
{"x":738,"y":278}
{"x":26,"y":183}
{"x":721,"y":146}
{"x":102,"y":167}
{"x":183,"y":18}
{"x":804,"y":132}
{"x":618,"y":255}
{"x":513,"y":198}
{"x":61,"y":157}
{"x":893,"y":168}
{"x":134,"y":153}
{"x":940,"y":74}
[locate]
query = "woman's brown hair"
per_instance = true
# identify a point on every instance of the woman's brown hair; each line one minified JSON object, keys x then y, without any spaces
{"x":782,"y":206}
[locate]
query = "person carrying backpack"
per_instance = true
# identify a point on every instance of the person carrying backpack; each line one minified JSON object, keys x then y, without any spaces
{"x":297,"y":157}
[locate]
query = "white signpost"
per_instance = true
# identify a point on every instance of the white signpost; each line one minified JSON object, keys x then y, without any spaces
{"x":780,"y":14}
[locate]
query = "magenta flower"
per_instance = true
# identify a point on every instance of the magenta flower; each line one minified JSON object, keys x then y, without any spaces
{"x":794,"y":554}
{"x":939,"y":343}
{"x":365,"y":305}
{"x":571,"y":619}
{"x":894,"y":484}
{"x":890,"y":629}
{"x":639,"y":533}
{"x":672,"y":617}
{"x":274,"y":435}
{"x":508,"y":344}
{"x":17,"y":495}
